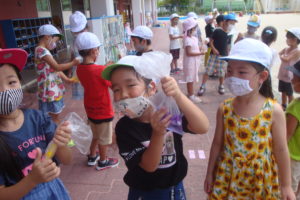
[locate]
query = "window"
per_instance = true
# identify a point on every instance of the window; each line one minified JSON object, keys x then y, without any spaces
{"x":66,"y":5}
{"x":42,"y":5}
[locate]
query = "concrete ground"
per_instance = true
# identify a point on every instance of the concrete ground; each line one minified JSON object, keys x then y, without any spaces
{"x":85,"y":183}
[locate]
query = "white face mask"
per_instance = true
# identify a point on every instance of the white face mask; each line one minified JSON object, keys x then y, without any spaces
{"x":231,"y":27}
{"x":133,"y":107}
{"x":52,"y":45}
{"x":238,"y":86}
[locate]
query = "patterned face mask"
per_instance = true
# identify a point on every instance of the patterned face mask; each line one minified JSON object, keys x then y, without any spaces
{"x":10,"y":100}
{"x":133,"y":107}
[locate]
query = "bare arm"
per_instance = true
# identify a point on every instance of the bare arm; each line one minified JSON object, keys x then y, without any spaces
{"x":215,"y":150}
{"x":152,"y":155}
{"x":291,"y":125}
{"x":288,"y":58}
{"x":43,"y":170}
{"x":59,"y":67}
{"x":240,"y":37}
{"x":190,"y":53}
{"x":174,"y":37}
{"x":281,"y":152}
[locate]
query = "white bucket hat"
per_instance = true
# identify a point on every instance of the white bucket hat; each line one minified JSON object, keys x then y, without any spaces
{"x":251,"y":50}
{"x":208,"y":18}
{"x":188,"y":24}
{"x":77,"y":21}
{"x":142,"y":32}
{"x":87,"y":40}
{"x":295,"y":31}
{"x":193,"y":15}
{"x":174,"y":15}
{"x":49,"y":29}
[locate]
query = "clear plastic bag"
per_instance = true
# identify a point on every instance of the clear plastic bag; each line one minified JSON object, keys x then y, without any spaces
{"x":81,"y":132}
{"x":155,"y":65}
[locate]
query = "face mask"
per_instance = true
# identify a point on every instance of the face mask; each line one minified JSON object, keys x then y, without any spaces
{"x":10,"y":100}
{"x":133,"y":107}
{"x":139,"y":47}
{"x":238,"y":86}
{"x":52,"y":45}
{"x":230,"y":27}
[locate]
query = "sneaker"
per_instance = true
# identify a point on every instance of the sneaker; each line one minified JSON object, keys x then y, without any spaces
{"x":195,"y":99}
{"x":283,"y":107}
{"x":109,"y":163}
{"x":201,"y":90}
{"x":173,"y":71}
{"x":93,"y":160}
{"x":178,"y":69}
{"x":221,"y":89}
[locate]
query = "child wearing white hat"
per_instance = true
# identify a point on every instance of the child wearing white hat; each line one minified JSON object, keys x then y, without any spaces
{"x":78,"y":24}
{"x":252,"y":25}
{"x":249,"y":154}
{"x":97,"y":102}
{"x":50,"y":86}
{"x":289,"y":56}
{"x":175,"y":45}
{"x":141,"y":37}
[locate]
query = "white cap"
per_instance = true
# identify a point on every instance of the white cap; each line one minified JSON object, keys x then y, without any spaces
{"x":77,"y":21}
{"x":193,"y":15}
{"x":208,"y":17}
{"x":295,"y":31}
{"x":174,"y":15}
{"x":48,"y":29}
{"x":251,"y":50}
{"x":87,"y":40}
{"x":142,"y":32}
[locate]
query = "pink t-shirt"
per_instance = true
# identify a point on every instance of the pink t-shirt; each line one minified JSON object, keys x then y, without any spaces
{"x":284,"y":74}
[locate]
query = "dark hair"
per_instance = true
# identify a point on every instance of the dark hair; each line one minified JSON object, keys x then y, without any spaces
{"x":141,"y":39}
{"x":138,"y":76}
{"x":85,"y":52}
{"x":220,"y":19}
{"x":266,"y":88}
{"x":269,"y":35}
{"x":15,"y":68}
{"x":9,"y":163}
{"x":291,"y":35}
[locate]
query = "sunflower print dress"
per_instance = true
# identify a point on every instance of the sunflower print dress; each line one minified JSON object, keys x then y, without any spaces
{"x":247,"y":169}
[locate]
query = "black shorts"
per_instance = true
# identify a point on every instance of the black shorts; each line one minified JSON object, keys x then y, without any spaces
{"x":285,"y":87}
{"x":175,"y":53}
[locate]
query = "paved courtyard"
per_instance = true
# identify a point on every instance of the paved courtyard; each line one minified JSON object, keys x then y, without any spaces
{"x":85,"y":183}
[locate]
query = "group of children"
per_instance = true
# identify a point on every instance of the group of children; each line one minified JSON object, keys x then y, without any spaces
{"x":249,"y":157}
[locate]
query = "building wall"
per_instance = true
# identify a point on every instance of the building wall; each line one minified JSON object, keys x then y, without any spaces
{"x":12,"y":9}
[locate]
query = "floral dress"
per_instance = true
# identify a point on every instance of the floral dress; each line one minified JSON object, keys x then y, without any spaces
{"x":50,"y":85}
{"x":247,"y":169}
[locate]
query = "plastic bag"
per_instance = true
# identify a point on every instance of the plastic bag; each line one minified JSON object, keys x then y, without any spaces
{"x":155,"y":65}
{"x":81,"y":132}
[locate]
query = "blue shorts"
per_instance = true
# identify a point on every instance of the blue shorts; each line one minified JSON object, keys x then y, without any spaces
{"x":53,"y":190}
{"x":53,"y":107}
{"x":172,"y":193}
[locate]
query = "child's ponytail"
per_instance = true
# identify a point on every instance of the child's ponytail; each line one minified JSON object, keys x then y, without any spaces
{"x":9,"y":163}
{"x":266,"y":88}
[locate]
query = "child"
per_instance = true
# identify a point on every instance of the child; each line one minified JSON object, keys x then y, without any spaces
{"x":293,"y":128}
{"x":97,"y":103}
{"x":50,"y":85}
{"x":252,"y":26}
{"x":141,"y":37}
{"x":268,"y":36}
{"x":24,"y":136}
{"x":175,"y":45}
{"x":289,"y":56}
{"x":219,"y":44}
{"x":155,"y":171}
{"x":78,"y":24}
{"x":250,"y":141}
{"x":191,"y":57}
{"x":198,"y":31}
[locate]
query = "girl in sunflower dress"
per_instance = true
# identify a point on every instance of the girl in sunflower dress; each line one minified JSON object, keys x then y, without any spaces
{"x":249,"y":156}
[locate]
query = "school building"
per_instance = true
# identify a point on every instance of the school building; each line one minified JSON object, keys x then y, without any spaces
{"x":20,"y":20}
